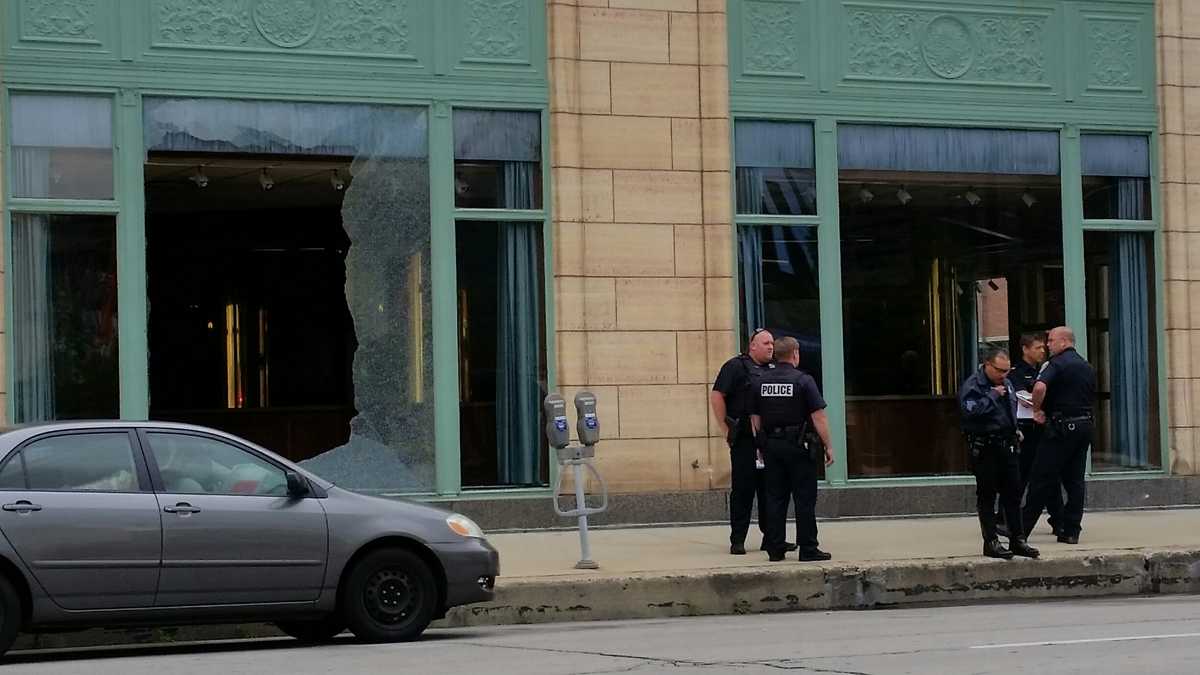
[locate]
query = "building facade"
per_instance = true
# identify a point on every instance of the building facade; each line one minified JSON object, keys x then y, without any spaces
{"x":373,"y":235}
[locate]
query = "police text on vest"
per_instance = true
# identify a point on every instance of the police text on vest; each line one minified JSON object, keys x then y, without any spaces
{"x":777,"y":390}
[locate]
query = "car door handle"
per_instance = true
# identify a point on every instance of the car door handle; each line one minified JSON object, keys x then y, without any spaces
{"x":182,"y":507}
{"x":22,"y":506}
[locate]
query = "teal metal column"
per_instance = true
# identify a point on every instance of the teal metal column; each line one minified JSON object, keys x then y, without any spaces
{"x":1074,"y":283}
{"x":131,"y":259}
{"x":445,"y":289}
{"x":829,"y":261}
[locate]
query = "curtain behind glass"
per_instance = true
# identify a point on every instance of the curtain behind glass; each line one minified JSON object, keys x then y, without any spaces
{"x":947,"y":149}
{"x":518,"y":344}
{"x":1128,"y":325}
{"x":33,"y":320}
{"x":750,"y":265}
{"x":498,"y":135}
{"x":54,"y":137}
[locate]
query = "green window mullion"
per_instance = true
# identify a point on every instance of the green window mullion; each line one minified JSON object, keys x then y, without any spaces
{"x":445,"y":317}
{"x":64,"y":206}
{"x":133,"y":343}
{"x":506,"y":215}
{"x":829,"y":257}
{"x":1121,"y":225}
{"x":1074,"y":283}
{"x":747,"y":219}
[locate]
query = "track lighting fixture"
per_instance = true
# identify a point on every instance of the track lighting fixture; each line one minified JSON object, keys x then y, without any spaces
{"x":972,"y":197}
{"x":1028,"y":198}
{"x":335,"y":179}
{"x":265,"y":179}
{"x":199,"y":178}
{"x":865,"y":195}
{"x":903,"y":196}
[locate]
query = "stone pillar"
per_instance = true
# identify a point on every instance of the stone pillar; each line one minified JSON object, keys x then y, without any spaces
{"x":643,"y":283}
{"x":1178,"y":48}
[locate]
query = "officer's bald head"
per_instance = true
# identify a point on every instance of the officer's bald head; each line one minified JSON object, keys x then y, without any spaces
{"x":1060,"y":339}
{"x":787,"y":350}
{"x":761,"y":345}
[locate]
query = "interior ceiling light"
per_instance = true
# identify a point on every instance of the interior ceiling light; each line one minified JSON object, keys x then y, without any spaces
{"x":265,"y":180}
{"x":199,"y":178}
{"x":1028,"y":198}
{"x":865,"y":195}
{"x":903,"y":196}
{"x":335,"y":179}
{"x":972,"y":198}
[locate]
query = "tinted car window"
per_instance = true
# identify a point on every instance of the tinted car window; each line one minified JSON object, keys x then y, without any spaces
{"x":200,"y":465}
{"x":82,"y":462}
{"x":12,"y":476}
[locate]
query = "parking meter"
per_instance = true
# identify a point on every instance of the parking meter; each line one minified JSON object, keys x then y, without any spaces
{"x":587,"y":424}
{"x":557,"y":432}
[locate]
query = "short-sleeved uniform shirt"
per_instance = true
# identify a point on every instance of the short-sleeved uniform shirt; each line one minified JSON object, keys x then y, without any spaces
{"x":1070,"y":384}
{"x":786,"y":396}
{"x":735,"y":381}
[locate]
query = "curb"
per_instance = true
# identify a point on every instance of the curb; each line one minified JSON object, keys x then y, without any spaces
{"x":781,"y":587}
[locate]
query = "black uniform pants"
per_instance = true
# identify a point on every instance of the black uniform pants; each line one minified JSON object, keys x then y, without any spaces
{"x":1061,"y":460}
{"x":1029,"y":448}
{"x":747,"y":484}
{"x":997,"y":472}
{"x":791,"y":477}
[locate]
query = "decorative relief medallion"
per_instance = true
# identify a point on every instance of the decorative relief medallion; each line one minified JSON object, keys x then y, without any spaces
{"x":948,"y":47}
{"x":287,"y":23}
{"x":59,"y":19}
{"x":1112,"y":53}
{"x":771,"y":38}
{"x":909,"y":44}
{"x":495,"y":28}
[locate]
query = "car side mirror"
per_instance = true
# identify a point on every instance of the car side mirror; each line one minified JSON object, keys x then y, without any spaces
{"x":296,"y":486}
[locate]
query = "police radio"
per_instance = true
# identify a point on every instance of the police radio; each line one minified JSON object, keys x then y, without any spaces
{"x":558,"y":433}
{"x":587,"y":424}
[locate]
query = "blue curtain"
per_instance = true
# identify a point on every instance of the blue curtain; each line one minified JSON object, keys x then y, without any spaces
{"x":947,"y":149}
{"x":33,"y":320}
{"x":750,"y":264}
{"x":518,"y":343}
{"x":1129,"y":334}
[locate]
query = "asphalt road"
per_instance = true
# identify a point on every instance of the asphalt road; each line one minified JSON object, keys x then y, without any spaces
{"x":1159,"y":635}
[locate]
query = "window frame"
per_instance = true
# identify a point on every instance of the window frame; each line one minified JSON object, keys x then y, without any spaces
{"x":139,"y":461}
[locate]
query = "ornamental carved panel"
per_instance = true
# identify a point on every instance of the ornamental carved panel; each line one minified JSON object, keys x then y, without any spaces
{"x":773,"y":38}
{"x":1112,"y":54}
{"x":59,"y":20}
{"x":377,"y":27}
{"x":889,"y":43}
{"x":496,"y":30}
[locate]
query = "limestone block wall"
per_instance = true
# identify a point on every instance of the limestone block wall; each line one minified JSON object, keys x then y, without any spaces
{"x":643,"y":251}
{"x":1178,"y":37}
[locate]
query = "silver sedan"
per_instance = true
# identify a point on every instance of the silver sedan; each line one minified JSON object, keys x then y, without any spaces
{"x":148,"y":523}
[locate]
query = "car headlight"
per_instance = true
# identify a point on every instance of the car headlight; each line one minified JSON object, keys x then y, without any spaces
{"x":464,"y":526}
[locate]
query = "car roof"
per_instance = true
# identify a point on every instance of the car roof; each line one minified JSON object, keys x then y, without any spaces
{"x":12,"y":436}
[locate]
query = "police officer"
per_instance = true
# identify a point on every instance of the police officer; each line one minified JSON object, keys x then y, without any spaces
{"x":729,"y":399}
{"x":988,"y":404}
{"x":785,"y":405}
{"x":1023,"y":377}
{"x":1063,"y":401}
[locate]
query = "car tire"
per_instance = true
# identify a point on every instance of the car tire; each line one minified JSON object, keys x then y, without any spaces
{"x":314,"y":631}
{"x":390,"y":596}
{"x":10,"y":614}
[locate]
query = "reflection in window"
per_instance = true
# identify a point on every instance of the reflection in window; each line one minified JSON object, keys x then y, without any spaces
{"x":501,"y":313}
{"x":778,"y":267}
{"x":497,"y":159}
{"x":1122,"y":346}
{"x":81,"y":462}
{"x":62,"y":147}
{"x":64,"y":279}
{"x":775,"y":168}
{"x":288,"y":258}
{"x":951,"y":243}
{"x":1116,"y":177}
{"x":199,"y":465}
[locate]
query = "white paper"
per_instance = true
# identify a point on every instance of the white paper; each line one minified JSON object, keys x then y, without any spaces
{"x":1023,"y":412}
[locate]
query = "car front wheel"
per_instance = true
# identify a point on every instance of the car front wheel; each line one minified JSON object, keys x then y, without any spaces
{"x":390,"y":596}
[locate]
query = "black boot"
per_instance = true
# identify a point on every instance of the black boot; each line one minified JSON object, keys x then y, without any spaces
{"x":1023,"y":549}
{"x":992,"y":548}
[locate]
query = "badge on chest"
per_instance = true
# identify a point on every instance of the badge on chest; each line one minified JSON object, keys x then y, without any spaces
{"x":775,"y":390}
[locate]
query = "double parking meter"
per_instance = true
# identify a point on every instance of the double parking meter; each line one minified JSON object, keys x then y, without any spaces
{"x":579,"y":458}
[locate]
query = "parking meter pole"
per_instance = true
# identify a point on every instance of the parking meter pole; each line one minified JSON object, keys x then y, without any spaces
{"x":585,"y":552}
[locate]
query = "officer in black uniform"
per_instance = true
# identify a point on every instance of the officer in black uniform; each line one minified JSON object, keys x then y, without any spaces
{"x":1063,"y":401}
{"x":729,"y":400}
{"x":786,"y":406}
{"x":988,"y":404}
{"x":1023,"y":377}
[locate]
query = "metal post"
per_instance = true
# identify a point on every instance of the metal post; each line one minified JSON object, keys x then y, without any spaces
{"x":585,"y":562}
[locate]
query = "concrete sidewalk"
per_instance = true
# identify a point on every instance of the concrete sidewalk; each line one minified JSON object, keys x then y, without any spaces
{"x":687,"y":570}
{"x":674,"y":571}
